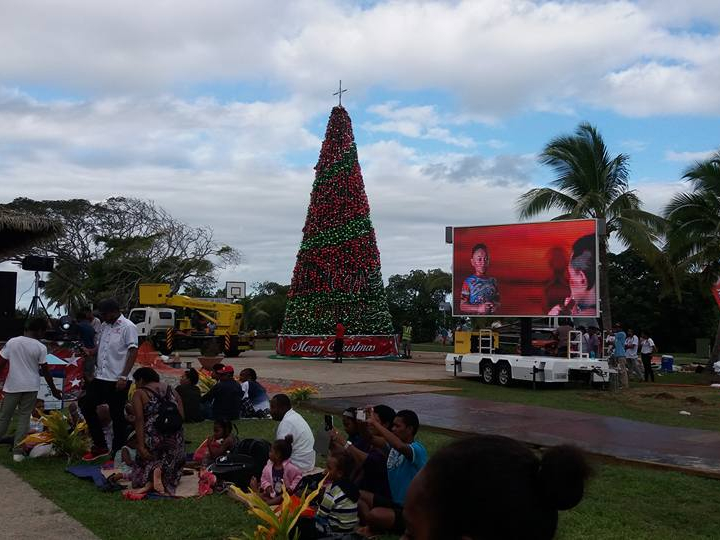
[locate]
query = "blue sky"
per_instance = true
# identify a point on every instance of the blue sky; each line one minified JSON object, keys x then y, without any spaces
{"x":216,"y":110}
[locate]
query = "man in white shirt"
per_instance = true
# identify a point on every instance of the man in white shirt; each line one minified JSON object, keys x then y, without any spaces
{"x":291,"y":423}
{"x":116,"y":352}
{"x":25,"y":356}
{"x":631,"y":354}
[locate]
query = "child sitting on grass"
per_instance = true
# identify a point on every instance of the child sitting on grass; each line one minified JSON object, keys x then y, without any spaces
{"x":278,"y":472}
{"x":338,"y":511}
{"x":125,"y":458}
{"x":218,"y":444}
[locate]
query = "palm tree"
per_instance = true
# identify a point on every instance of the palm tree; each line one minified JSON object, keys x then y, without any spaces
{"x":591,"y":184}
{"x":693,"y":237}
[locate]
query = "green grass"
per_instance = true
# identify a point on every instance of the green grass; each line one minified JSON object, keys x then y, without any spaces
{"x":432,"y":347}
{"x":637,"y":403}
{"x":265,"y":344}
{"x":621,"y":501}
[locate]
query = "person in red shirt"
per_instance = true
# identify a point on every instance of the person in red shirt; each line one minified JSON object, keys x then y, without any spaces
{"x":339,"y":342}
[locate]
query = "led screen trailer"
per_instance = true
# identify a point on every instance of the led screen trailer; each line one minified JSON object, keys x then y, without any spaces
{"x":526,"y":270}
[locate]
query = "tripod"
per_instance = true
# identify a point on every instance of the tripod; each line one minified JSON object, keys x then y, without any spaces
{"x":37,"y":302}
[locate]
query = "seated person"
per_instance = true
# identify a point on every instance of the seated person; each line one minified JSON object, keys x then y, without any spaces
{"x":190,"y":395}
{"x":255,"y":392}
{"x":279,"y":472}
{"x":291,"y":423}
{"x":353,"y":429}
{"x":125,"y":458}
{"x":515,"y":493}
{"x":219,"y":443}
{"x":407,"y":456}
{"x":225,"y":395}
{"x":371,"y":473}
{"x":338,"y":511}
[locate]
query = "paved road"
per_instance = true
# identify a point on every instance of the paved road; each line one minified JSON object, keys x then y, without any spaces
{"x":690,"y":449}
{"x":26,"y":515}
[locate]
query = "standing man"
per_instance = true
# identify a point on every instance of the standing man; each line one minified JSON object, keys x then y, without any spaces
{"x":563,"y":333}
{"x":632,"y":344}
{"x":407,"y":339}
{"x":116,"y":353}
{"x":96,"y":323}
{"x":619,"y":355}
{"x":25,"y":356}
{"x":339,"y":342}
{"x":647,"y":348}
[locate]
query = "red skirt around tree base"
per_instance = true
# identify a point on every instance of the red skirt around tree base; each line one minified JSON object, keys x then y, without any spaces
{"x":324,"y":346}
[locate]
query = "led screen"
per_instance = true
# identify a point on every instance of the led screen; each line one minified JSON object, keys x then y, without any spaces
{"x":526,"y":270}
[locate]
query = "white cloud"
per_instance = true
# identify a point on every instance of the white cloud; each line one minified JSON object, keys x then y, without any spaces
{"x":421,"y":122}
{"x":496,"y":57}
{"x":164,"y":131}
{"x":701,"y":155}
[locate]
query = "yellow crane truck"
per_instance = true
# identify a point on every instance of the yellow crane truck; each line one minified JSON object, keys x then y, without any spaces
{"x":212,"y":326}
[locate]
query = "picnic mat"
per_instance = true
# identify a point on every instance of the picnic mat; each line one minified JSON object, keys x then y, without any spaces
{"x":188,"y":486}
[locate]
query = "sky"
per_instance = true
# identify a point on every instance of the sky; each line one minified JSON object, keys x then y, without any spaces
{"x":216,"y":109}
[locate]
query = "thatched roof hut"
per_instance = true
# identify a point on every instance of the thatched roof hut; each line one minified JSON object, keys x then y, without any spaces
{"x":19,"y":231}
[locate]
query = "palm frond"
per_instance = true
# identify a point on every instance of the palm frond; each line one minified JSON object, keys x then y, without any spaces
{"x":539,"y":200}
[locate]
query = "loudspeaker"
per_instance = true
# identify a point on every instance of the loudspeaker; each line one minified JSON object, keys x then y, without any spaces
{"x":448,"y":235}
{"x":8,"y":290}
{"x":38,"y":264}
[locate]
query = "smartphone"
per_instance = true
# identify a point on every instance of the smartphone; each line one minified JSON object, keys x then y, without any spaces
{"x":360,"y":415}
{"x":328,"y":422}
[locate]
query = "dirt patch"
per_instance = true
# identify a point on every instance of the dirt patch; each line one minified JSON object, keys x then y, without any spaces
{"x":661,"y":395}
{"x":694,"y":400}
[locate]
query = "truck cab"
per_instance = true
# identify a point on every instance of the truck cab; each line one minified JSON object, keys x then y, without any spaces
{"x":152,"y":320}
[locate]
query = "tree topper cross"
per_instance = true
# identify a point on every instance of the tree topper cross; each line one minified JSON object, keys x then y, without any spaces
{"x":339,"y":94}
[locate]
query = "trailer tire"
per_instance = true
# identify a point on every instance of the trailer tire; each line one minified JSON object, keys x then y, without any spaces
{"x":488,"y":373}
{"x":503,"y":374}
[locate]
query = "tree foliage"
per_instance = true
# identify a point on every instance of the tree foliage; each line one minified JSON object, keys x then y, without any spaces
{"x":693,"y":230}
{"x":265,"y":307}
{"x":416,"y":297}
{"x":636,"y":293}
{"x":108,"y":248}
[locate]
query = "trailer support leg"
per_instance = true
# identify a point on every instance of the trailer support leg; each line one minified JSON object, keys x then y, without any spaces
{"x":526,"y":336}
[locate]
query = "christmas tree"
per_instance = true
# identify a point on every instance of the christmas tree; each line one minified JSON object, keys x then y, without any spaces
{"x":337,"y":274}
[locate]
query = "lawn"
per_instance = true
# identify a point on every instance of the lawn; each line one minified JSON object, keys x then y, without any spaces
{"x":621,"y":501}
{"x":655,"y":403}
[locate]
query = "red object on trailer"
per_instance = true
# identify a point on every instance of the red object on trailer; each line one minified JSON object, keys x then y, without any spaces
{"x":716,"y":292}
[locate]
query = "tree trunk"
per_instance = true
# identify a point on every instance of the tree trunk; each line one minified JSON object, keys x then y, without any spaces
{"x":604,"y":287}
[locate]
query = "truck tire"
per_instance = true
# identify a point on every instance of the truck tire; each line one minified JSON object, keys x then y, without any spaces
{"x":487,"y":372}
{"x":504,"y":374}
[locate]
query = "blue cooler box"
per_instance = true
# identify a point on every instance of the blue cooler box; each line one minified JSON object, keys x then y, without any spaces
{"x":666,"y":363}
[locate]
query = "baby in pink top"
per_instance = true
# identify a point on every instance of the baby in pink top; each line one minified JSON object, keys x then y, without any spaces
{"x":279,"y":472}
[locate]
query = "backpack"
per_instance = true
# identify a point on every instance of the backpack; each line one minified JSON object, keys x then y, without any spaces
{"x":257,"y":449}
{"x":169,"y":420}
{"x":238,"y":469}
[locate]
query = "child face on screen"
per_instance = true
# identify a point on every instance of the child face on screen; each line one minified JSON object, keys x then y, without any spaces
{"x":578,"y":283}
{"x":479,"y":261}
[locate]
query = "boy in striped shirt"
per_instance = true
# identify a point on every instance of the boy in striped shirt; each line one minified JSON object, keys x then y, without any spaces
{"x":338,"y":511}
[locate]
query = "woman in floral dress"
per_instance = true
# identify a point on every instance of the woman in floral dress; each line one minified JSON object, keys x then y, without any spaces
{"x":160,"y":457}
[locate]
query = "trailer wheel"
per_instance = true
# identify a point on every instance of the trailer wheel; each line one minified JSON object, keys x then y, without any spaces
{"x":487,"y":372}
{"x":504,"y":374}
